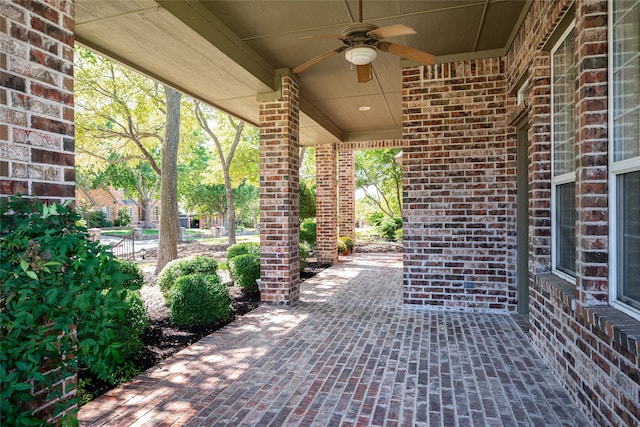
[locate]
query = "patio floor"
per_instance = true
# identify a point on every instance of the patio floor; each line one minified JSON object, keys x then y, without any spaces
{"x":348,"y":354}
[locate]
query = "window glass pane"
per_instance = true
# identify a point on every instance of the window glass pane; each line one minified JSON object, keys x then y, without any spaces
{"x":626,"y":79}
{"x":566,"y":228}
{"x":629,"y":238}
{"x":564,"y":88}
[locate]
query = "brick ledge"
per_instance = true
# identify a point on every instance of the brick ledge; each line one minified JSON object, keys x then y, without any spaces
{"x":611,"y":322}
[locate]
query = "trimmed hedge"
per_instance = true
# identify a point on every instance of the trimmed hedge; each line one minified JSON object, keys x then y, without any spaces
{"x":184,"y":267}
{"x":242,"y":249}
{"x":198,"y":300}
{"x":244,"y":270}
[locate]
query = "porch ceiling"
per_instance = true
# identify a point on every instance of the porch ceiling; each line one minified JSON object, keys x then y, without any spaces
{"x":227,"y":53}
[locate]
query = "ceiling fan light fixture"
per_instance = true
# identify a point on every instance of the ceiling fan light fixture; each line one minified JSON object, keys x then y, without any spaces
{"x":361,"y":55}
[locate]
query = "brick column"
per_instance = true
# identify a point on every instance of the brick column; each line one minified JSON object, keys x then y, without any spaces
{"x":347,"y":194}
{"x":326,"y":209}
{"x":36,"y":100}
{"x":279,"y":196}
{"x":592,"y":272}
{"x":540,"y":166}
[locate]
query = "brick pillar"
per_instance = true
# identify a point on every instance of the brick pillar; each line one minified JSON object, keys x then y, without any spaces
{"x":279,"y":196}
{"x":540,"y":166}
{"x":36,"y":100}
{"x":326,"y":209}
{"x":347,"y":194}
{"x":592,"y":272}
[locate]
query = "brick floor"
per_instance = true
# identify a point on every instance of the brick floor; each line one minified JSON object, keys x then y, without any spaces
{"x":348,"y":354}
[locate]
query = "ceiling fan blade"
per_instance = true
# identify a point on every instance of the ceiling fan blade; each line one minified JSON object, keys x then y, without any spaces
{"x":391,"y":31}
{"x":364,"y":72}
{"x":407,"y":52}
{"x":313,"y":61}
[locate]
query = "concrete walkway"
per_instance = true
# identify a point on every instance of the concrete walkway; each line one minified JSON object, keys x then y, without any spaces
{"x":348,"y":354}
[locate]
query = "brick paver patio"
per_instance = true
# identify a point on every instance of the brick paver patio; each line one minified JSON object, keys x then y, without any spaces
{"x":348,"y":354}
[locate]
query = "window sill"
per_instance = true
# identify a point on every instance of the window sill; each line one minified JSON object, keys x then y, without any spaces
{"x":606,"y":321}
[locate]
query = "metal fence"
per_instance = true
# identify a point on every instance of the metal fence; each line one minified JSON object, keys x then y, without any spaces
{"x":125,"y":248}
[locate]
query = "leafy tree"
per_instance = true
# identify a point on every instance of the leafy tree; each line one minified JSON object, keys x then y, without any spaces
{"x":120,"y":111}
{"x":247,"y":202}
{"x":379,"y":177}
{"x":207,"y":199}
{"x":226,"y":133}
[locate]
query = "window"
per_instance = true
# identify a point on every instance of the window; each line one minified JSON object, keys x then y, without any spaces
{"x":624,"y":158}
{"x":563,"y":200}
{"x":130,"y":212}
{"x":107,"y":212}
{"x":155,"y":214}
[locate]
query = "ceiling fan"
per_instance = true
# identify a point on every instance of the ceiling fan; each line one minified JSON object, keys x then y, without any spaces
{"x":362,"y":40}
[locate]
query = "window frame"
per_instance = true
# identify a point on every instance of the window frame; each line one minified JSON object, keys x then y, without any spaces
{"x":566,"y":178}
{"x":616,"y":170}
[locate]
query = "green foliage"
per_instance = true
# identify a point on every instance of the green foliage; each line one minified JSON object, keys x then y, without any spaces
{"x":387,"y":229}
{"x":123,"y":218}
{"x":304,"y":249}
{"x":342,"y":247}
{"x":242,"y":249}
{"x":184,"y":267}
{"x":52,"y":279}
{"x":97,"y":220}
{"x":198,"y":300}
{"x":348,"y":242}
{"x":375,"y":218}
{"x":245,"y":269}
{"x":308,"y":231}
{"x":399,"y":235}
{"x":379,"y":177}
{"x":307,"y":201}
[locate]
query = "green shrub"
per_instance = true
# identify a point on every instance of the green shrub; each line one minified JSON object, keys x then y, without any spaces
{"x":52,"y":278}
{"x":198,"y":300}
{"x":134,"y":277}
{"x":342,"y":247}
{"x":98,"y":220}
{"x":375,"y":218}
{"x":244,"y":270}
{"x":184,"y":267}
{"x":399,"y":235}
{"x":387,"y":229}
{"x":243,"y":249}
{"x":308,"y":231}
{"x":123,"y":218}
{"x":304,"y":250}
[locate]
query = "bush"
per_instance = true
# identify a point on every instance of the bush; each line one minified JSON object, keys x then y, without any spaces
{"x":304,"y":249}
{"x":342,"y":247}
{"x":52,"y":278}
{"x":184,"y":267}
{"x":123,"y":218}
{"x":243,"y":249}
{"x":387,"y":229}
{"x":198,"y":300}
{"x":308,"y":232}
{"x":97,"y":220}
{"x":376,"y":218}
{"x":399,"y":235}
{"x":244,"y":270}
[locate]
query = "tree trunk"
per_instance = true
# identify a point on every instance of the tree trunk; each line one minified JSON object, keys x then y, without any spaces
{"x":148,"y":206}
{"x":231,"y":213}
{"x":169,"y":221}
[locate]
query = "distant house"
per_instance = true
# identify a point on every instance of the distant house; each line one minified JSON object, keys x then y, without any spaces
{"x":110,"y":201}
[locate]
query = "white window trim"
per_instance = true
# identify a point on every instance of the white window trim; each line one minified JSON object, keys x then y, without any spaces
{"x":560,"y":179}
{"x":615,"y":169}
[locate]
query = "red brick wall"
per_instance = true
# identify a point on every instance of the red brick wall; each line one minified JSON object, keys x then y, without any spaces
{"x":326,"y":204}
{"x":36,"y":122}
{"x":590,"y":345}
{"x":36,"y":99}
{"x":347,"y":194}
{"x":459,"y":187}
{"x":279,"y":201}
